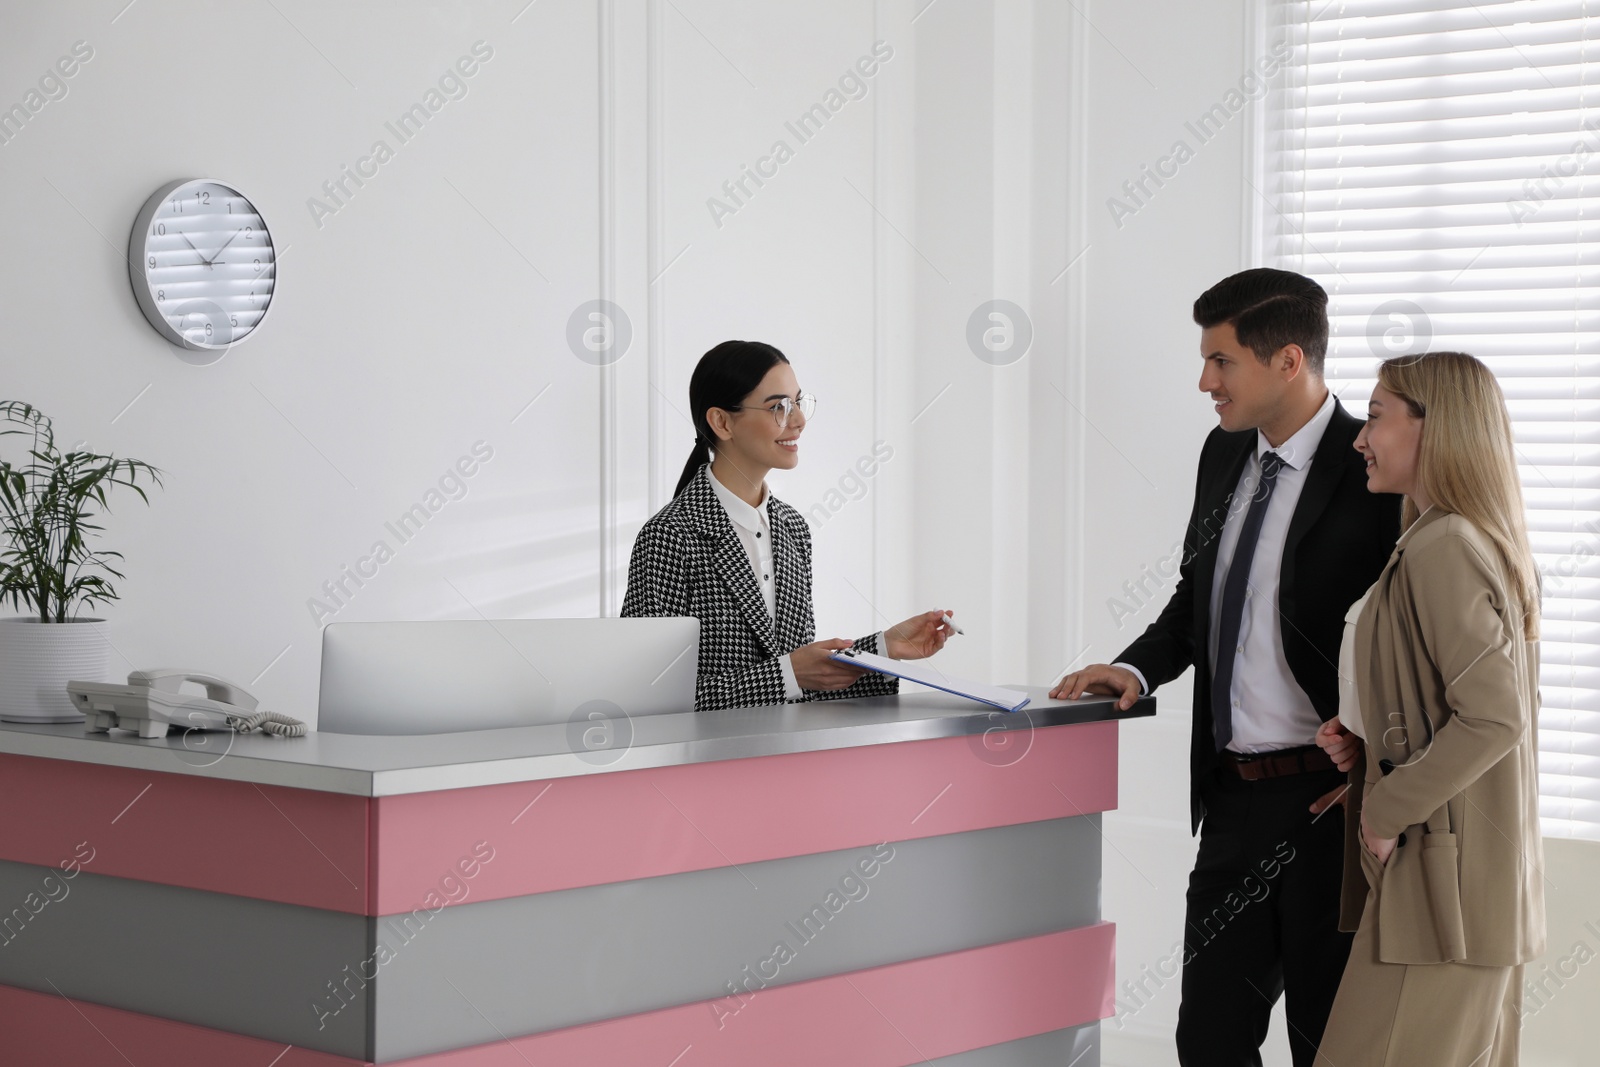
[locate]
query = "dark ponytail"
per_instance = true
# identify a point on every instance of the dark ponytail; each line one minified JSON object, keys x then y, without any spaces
{"x":722,"y":379}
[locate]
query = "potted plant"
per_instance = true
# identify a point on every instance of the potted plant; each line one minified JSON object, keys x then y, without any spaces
{"x":48,"y":566}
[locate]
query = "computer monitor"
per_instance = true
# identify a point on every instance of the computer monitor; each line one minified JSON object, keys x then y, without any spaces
{"x":442,"y":677}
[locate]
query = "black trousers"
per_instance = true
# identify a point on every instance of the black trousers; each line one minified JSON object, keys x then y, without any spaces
{"x":1262,"y":919}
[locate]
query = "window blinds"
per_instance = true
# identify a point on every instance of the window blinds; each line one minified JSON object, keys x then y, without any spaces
{"x":1435,"y":164}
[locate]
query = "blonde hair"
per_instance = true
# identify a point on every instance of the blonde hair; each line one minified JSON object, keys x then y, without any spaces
{"x":1467,"y":463}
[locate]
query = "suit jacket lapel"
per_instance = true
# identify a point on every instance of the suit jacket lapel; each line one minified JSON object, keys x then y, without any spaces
{"x":792,"y":582}
{"x":732,"y":564}
{"x":1326,"y":469}
{"x":1329,"y":463}
{"x":1213,"y":515}
{"x":1374,"y":663}
{"x":729,"y":560}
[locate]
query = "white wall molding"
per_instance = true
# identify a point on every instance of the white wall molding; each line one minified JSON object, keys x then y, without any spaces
{"x":662,"y":477}
{"x":605,"y":15}
{"x":1014,"y":219}
{"x":1074,"y":282}
{"x":893,"y":189}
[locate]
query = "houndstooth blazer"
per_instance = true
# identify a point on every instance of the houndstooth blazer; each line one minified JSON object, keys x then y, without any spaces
{"x":688,"y":561}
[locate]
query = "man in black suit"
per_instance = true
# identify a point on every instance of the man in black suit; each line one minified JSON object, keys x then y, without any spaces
{"x":1282,"y":539}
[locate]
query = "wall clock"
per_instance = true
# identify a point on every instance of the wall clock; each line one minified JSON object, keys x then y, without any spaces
{"x":202,"y":265}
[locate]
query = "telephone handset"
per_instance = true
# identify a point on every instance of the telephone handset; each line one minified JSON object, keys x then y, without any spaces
{"x":154,"y":700}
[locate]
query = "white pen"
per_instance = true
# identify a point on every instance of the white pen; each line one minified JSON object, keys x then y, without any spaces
{"x":951,"y":624}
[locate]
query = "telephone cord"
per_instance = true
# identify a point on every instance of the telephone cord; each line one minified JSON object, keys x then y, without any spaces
{"x":269,"y":722}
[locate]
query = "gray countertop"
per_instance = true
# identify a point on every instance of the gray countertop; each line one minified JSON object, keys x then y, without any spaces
{"x":376,"y":765}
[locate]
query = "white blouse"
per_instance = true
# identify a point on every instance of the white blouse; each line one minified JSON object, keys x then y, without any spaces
{"x":1349,"y":703}
{"x":755,"y":533}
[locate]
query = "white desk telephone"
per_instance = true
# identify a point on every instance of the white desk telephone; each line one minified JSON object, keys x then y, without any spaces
{"x":154,"y":700}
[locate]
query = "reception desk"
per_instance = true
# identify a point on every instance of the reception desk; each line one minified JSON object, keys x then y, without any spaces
{"x":859,"y":883}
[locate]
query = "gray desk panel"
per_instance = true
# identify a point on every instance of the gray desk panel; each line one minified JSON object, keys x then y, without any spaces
{"x":231,"y":963}
{"x":541,"y":962}
{"x":1076,"y":1046}
{"x":365,"y":765}
{"x":530,"y":964}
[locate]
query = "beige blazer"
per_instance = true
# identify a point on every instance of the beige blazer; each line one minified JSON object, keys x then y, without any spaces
{"x":1449,"y":695}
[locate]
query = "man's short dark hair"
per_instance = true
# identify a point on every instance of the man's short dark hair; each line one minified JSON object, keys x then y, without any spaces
{"x":1269,"y":309}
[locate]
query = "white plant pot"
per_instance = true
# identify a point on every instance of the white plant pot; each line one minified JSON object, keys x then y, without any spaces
{"x":38,"y":659}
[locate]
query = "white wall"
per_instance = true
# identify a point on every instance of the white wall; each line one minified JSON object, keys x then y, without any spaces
{"x":404,"y":327}
{"x":430,"y":309}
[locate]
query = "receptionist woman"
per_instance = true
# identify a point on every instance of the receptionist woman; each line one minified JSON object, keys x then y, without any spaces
{"x":729,"y":553}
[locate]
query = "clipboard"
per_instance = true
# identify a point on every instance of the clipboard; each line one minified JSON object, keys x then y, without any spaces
{"x":993,"y":695}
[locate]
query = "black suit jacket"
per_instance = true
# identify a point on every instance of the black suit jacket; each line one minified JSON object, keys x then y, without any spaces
{"x":1339,"y":539}
{"x":688,"y":561}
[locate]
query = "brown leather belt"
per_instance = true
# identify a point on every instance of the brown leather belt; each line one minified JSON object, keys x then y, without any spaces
{"x":1279,"y":764}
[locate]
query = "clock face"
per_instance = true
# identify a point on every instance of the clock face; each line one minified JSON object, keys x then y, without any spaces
{"x":202,"y":265}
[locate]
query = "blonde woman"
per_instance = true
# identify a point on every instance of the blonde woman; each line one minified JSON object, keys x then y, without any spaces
{"x":1447,"y":898}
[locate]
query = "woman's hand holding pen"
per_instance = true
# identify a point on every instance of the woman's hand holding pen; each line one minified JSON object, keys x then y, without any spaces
{"x":814,"y":669}
{"x":919,"y":636}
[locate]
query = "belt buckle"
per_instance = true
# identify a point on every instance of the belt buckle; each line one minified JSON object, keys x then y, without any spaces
{"x":1253,"y":767}
{"x":1245,"y":766}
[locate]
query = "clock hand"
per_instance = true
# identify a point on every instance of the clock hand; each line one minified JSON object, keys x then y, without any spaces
{"x":197,"y":252}
{"x":225,"y":244}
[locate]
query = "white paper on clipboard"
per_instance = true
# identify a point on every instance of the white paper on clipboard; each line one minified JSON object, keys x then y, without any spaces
{"x":993,"y":695}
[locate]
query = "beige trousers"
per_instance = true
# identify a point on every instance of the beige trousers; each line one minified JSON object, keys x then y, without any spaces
{"x":1420,"y":1015}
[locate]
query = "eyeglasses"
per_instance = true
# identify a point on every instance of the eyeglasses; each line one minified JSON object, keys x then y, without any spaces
{"x":782,"y":409}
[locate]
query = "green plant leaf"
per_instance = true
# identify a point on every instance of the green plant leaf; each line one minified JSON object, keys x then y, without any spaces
{"x":48,"y":563}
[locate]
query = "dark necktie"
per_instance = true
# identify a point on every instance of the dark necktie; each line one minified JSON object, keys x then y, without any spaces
{"x":1233,"y":596}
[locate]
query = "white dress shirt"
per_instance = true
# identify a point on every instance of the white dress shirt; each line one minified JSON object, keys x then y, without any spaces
{"x":755,"y":533}
{"x":1270,"y":710}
